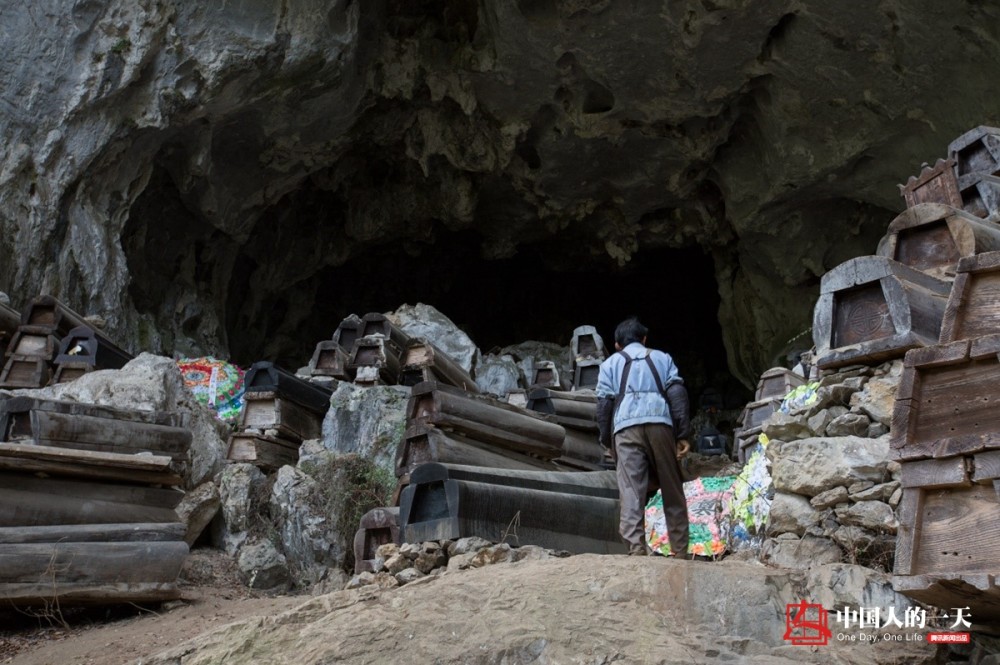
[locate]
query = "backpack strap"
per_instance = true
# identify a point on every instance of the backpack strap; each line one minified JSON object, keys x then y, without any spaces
{"x":625,"y":373}
{"x":656,"y":375}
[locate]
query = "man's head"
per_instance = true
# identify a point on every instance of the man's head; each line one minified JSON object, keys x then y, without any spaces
{"x":628,"y":331}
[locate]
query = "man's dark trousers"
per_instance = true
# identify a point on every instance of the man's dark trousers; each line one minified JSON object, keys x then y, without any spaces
{"x":641,"y":449}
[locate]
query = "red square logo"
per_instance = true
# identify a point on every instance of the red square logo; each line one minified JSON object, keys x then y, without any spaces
{"x":806,"y":624}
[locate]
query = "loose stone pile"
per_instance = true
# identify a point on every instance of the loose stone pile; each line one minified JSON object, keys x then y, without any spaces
{"x":835,"y":486}
{"x":396,"y":565}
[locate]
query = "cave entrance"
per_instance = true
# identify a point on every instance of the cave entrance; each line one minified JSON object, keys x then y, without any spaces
{"x":529,"y":296}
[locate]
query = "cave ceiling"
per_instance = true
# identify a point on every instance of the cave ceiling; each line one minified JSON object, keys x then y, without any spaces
{"x":195,"y":171}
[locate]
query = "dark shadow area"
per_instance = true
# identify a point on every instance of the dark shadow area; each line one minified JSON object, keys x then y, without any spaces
{"x":504,"y":302}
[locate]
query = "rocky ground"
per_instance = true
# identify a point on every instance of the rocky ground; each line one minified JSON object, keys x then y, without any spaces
{"x":580,"y":609}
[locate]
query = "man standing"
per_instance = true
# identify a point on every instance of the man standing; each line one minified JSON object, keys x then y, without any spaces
{"x":642,"y":405}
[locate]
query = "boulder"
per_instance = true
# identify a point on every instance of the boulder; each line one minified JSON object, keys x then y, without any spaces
{"x":493,"y":554}
{"x":262,"y":566}
{"x":466,"y":545}
{"x":800,"y":553}
{"x":781,"y":426}
{"x":422,"y":320}
{"x":197,"y":509}
{"x":241,"y":494}
{"x":812,"y":466}
{"x":873,"y":515}
{"x":791,"y":513}
{"x":408,"y":575}
{"x":879,"y":394}
{"x":366,"y":421}
{"x":880,"y":492}
{"x":396,"y":564}
{"x":849,"y":424}
{"x":312,"y":534}
{"x":152,"y":383}
{"x":829,"y":498}
{"x":498,"y":375}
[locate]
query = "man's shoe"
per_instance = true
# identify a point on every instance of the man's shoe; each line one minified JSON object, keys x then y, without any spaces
{"x":637,"y":550}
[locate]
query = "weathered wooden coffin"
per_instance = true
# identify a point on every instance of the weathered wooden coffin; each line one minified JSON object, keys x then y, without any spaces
{"x":25,"y":372}
{"x":374,"y":323}
{"x":872,"y":308}
{"x":67,"y":372}
{"x":52,"y":314}
{"x":935,"y":184}
{"x":373,"y":352}
{"x":973,"y":308}
{"x":378,"y":526}
{"x":485,"y":419}
{"x":88,"y":427}
{"x":586,"y":374}
{"x":587,"y":344}
{"x":348,"y":332}
{"x":266,"y":377}
{"x":266,"y":452}
{"x":755,"y":413}
{"x":948,"y":543}
{"x":932,"y":238}
{"x":420,"y":354}
{"x":84,"y":345}
{"x":976,"y":151}
{"x":577,"y":512}
{"x":422,"y":444}
{"x":546,"y":375}
{"x":266,"y":411}
{"x":776,"y":383}
{"x":330,"y":359}
{"x":980,"y":194}
{"x":33,"y":341}
{"x":27,"y":500}
{"x":76,"y":573}
{"x":947,"y":400}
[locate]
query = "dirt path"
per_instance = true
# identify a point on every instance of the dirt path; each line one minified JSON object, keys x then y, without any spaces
{"x":212,"y":597}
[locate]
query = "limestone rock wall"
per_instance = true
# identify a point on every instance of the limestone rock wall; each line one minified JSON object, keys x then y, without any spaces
{"x":190,"y":171}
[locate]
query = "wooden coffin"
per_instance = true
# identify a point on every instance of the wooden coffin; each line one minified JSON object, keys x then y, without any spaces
{"x":416,"y":375}
{"x":980,"y":194}
{"x":25,"y":372}
{"x":776,"y":383}
{"x":265,"y":411}
{"x":948,"y":542}
{"x":35,"y":341}
{"x":518,"y":398}
{"x":577,"y":512}
{"x":571,"y":409}
{"x":755,"y":413}
{"x":63,"y":462}
{"x":10,"y":320}
{"x":347,"y":332}
{"x":422,"y":354}
{"x":57,"y":574}
{"x":947,"y":400}
{"x":266,"y":377}
{"x":973,"y":308}
{"x":269,"y":453}
{"x":976,"y":151}
{"x":373,"y":361}
{"x":935,"y":184}
{"x":83,"y":345}
{"x":50,"y":313}
{"x":27,"y":500}
{"x":932,"y":238}
{"x":90,"y":428}
{"x":872,"y":308}
{"x":586,"y":374}
{"x":485,"y":419}
{"x":377,"y":527}
{"x":545,"y":375}
{"x":587,"y":344}
{"x":330,"y":359}
{"x":422,"y":444}
{"x":374,"y":323}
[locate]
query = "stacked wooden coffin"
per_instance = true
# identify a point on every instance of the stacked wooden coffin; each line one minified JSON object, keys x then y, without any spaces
{"x":53,"y":344}
{"x":87,"y":498}
{"x":946,"y":435}
{"x":280,"y":411}
{"x":772,"y":387}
